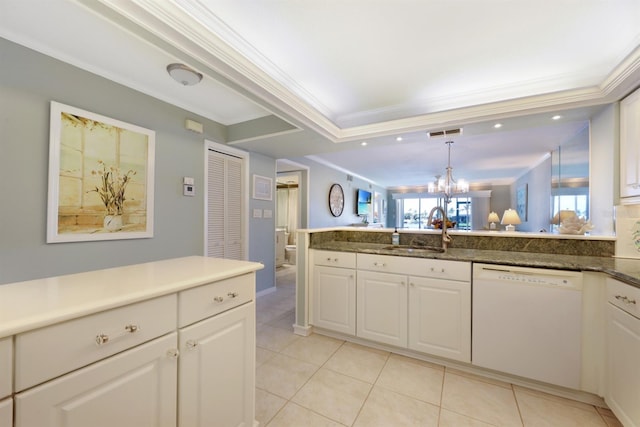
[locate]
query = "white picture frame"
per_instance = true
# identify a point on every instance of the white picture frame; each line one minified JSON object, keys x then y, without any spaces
{"x":101,"y":177}
{"x":262,"y":187}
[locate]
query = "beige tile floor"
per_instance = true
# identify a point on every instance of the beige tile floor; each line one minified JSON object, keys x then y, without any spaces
{"x":321,"y":381}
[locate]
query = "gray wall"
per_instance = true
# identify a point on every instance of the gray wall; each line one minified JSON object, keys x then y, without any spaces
{"x":28,"y":82}
{"x":320,"y":179}
{"x":262,"y":231}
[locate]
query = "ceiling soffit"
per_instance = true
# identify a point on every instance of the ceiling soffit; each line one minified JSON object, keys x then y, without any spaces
{"x":210,"y":41}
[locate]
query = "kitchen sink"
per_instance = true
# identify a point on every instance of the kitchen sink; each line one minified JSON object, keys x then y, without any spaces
{"x":410,"y":249}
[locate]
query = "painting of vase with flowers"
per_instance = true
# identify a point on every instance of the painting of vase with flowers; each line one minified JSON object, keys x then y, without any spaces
{"x":100,"y":177}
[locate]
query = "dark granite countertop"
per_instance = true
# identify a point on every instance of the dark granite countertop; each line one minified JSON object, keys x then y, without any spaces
{"x":626,"y":270}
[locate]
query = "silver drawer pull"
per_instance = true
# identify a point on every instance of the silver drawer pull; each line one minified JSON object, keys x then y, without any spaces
{"x":232,"y":294}
{"x":434,"y":270}
{"x":218,"y":299}
{"x":173,"y":353}
{"x":378,"y":264}
{"x":102,"y":339}
{"x":191,"y":344}
{"x":625,"y":300}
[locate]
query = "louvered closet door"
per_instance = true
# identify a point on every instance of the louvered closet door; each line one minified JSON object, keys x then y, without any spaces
{"x":224,"y":206}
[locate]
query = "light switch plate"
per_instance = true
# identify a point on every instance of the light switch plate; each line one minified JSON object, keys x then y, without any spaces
{"x":257,"y":213}
{"x":189,"y":190}
{"x":268,"y":213}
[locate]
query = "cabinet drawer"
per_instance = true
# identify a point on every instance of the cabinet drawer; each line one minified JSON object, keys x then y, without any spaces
{"x":423,"y":267}
{"x":6,"y":366}
{"x":208,"y":300}
{"x":48,"y":352}
{"x":624,"y":296}
{"x":334,"y":259}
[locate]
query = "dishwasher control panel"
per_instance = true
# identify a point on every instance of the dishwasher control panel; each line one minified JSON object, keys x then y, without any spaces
{"x":528,"y":276}
{"x":535,"y":280}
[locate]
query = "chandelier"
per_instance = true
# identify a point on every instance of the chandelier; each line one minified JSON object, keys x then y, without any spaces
{"x":447,"y":186}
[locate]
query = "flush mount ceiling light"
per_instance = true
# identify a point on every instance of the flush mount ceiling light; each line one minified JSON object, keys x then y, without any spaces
{"x":183,"y":74}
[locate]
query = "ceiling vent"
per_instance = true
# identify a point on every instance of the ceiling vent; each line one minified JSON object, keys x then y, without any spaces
{"x":448,"y":132}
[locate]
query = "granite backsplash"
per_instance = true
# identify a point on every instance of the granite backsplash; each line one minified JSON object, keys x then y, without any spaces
{"x":561,"y":246}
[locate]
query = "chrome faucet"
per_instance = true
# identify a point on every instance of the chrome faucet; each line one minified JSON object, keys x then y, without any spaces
{"x":445,"y":236}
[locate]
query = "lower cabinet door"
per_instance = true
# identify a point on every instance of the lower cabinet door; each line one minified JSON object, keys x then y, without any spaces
{"x":382,"y":307}
{"x":623,"y":391}
{"x":217,"y":370}
{"x":135,"y":388}
{"x":6,"y":412}
{"x":334,"y":299}
{"x":440,"y":317}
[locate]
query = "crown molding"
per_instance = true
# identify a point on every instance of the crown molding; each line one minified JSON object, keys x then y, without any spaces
{"x":218,"y":48}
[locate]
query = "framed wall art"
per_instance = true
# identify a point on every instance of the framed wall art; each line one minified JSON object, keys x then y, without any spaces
{"x":262,"y":187}
{"x":521,"y":201}
{"x":101,"y":173}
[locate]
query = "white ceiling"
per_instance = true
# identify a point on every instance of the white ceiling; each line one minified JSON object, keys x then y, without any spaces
{"x":345,"y":71}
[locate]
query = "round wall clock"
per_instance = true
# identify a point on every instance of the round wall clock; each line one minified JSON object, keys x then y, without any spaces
{"x":336,"y":200}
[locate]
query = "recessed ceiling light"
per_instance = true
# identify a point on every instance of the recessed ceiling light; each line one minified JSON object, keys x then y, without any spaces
{"x":399,"y":139}
{"x":363,"y":143}
{"x":556,"y":117}
{"x":497,"y":125}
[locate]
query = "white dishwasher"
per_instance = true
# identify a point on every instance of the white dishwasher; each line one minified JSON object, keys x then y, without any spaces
{"x":528,"y":322}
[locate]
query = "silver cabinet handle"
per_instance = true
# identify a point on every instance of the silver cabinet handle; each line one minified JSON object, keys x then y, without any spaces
{"x":434,"y":270}
{"x":625,"y":299}
{"x":232,"y":294}
{"x":173,"y":353}
{"x":102,"y":339}
{"x":191,"y":344}
{"x":218,"y":299}
{"x":379,"y":264}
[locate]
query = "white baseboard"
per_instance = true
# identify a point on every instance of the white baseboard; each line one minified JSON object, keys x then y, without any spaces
{"x":305,"y":331}
{"x":265,"y":292}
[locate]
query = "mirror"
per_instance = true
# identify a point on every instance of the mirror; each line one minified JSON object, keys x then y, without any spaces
{"x":570,"y":178}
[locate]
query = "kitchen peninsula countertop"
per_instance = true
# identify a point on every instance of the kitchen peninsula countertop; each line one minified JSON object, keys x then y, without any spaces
{"x":36,"y":303}
{"x":626,"y":270}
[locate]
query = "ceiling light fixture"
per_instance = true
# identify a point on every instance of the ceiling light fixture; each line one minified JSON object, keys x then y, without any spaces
{"x":363,"y":143}
{"x":183,"y":74}
{"x":447,"y":185}
{"x":399,"y":138}
{"x":497,"y":125}
{"x":556,"y":117}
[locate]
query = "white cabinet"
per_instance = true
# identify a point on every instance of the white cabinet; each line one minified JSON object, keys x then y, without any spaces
{"x":630,"y":145}
{"x":131,"y":389}
{"x":6,"y":367}
{"x":623,"y":336}
{"x":382,"y":307}
{"x":440,"y":316}
{"x":334,"y":291}
{"x":217,"y":363}
{"x":422,"y":304}
{"x":192,"y":319}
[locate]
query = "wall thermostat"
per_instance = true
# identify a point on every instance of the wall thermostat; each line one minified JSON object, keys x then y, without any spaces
{"x":188,"y":186}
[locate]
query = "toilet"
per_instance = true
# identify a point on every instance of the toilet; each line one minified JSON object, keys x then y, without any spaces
{"x":290,"y":254}
{"x":290,"y":249}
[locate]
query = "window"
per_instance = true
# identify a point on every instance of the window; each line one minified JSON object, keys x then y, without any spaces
{"x":414,"y":212}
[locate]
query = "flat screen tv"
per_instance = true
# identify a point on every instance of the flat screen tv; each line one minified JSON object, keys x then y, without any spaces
{"x":363,"y":207}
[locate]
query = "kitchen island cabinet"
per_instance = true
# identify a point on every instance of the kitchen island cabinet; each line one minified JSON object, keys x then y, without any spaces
{"x":107,"y":347}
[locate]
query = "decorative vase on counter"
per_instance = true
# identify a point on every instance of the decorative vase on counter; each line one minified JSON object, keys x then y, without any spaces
{"x":113,"y":222}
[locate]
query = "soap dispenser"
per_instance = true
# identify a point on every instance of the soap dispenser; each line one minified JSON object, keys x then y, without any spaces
{"x":395,"y":237}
